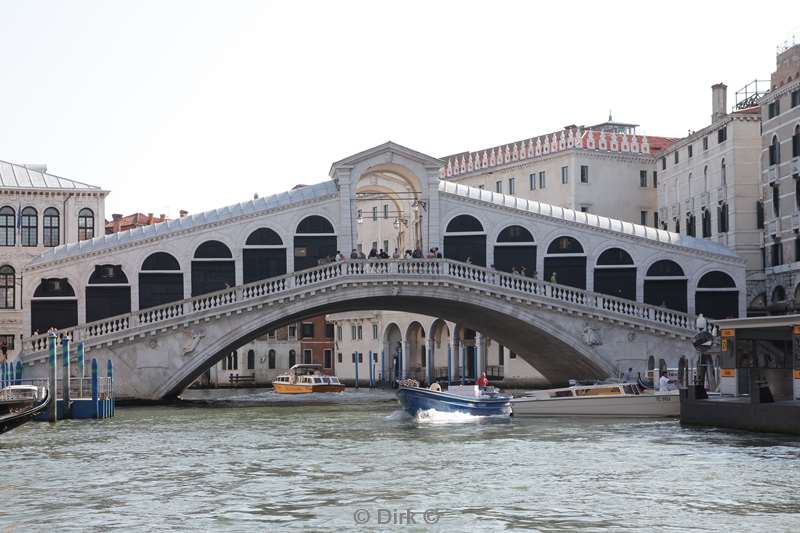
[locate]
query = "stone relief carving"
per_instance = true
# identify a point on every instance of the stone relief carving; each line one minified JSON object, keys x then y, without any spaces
{"x":591,"y":336}
{"x":191,"y":341}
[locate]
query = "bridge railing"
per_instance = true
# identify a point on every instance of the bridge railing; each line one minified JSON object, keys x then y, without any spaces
{"x":371,"y":268}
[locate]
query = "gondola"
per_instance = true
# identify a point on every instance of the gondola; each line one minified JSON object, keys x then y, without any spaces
{"x":20,"y":404}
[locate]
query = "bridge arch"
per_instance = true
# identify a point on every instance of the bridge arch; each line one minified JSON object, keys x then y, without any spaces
{"x":108,"y":293}
{"x":213,"y":267}
{"x":615,"y":273}
{"x":54,"y":304}
{"x":160,"y":280}
{"x":415,"y":350}
{"x":263,"y":255}
{"x":314,"y":239}
{"x":465,"y":239}
{"x":393,"y":339}
{"x":665,"y":285}
{"x":716,"y":295}
{"x":565,"y":262}
{"x":440,"y":333}
{"x":515,"y":249}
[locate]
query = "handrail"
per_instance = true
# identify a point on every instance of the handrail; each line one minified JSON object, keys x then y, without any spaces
{"x":370,"y":268}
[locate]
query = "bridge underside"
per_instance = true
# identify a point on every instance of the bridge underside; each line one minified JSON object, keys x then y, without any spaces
{"x":557,"y":360}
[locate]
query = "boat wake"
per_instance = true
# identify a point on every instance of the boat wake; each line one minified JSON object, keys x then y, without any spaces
{"x":432,"y":416}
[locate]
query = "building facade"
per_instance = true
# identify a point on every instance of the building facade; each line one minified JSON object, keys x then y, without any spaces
{"x":710,"y":185}
{"x":38,"y":211}
{"x":780,"y":185}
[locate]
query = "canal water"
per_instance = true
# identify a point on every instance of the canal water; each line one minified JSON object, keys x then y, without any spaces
{"x":248,"y":461}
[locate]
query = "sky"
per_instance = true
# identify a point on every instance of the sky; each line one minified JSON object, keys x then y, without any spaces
{"x":200,"y":104}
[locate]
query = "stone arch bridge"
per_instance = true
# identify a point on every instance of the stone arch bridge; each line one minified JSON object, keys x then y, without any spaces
{"x":568,"y":291}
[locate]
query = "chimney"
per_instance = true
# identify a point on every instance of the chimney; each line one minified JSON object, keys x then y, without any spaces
{"x":162,"y":217}
{"x":719,"y":101}
{"x":183,"y":213}
{"x":149,"y":218}
{"x":116,"y":223}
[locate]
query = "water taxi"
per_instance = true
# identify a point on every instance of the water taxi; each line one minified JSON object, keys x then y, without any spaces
{"x":608,"y":399}
{"x":304,"y":379}
{"x":469,"y":399}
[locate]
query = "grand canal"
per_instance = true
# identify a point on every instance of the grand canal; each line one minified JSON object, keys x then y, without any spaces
{"x":243,"y":463}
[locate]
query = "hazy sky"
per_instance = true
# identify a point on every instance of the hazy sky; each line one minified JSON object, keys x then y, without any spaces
{"x":195,"y":105}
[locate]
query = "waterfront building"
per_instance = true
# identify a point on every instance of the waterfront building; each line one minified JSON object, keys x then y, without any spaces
{"x":38,"y":211}
{"x":119,"y":222}
{"x":316,"y":342}
{"x":780,"y":184}
{"x":709,"y":189}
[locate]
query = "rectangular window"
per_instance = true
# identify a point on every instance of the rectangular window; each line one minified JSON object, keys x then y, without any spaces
{"x":328,"y":360}
{"x":353,"y":332}
{"x":511,"y":186}
{"x":655,"y":219}
{"x":375,"y":212}
{"x":705,"y":143}
{"x":375,"y":331}
{"x":360,"y":332}
{"x":564,"y":175}
{"x":642,"y":178}
{"x":655,"y":179}
{"x":360,"y":357}
{"x":306,"y":357}
{"x":328,"y":331}
{"x":339,"y":332}
{"x":542,"y":179}
{"x":51,"y":227}
{"x":584,"y":174}
{"x":776,"y":200}
{"x":584,"y":209}
{"x":796,"y":98}
{"x":797,"y":248}
{"x":643,"y":218}
{"x":677,"y":156}
{"x":339,"y":357}
{"x":308,"y":330}
{"x":663,"y":163}
{"x":689,"y":151}
{"x":8,"y":341}
{"x":722,"y":135}
{"x":498,"y":186}
{"x":777,"y":252}
{"x":292,"y":332}
{"x":532,"y":181}
{"x":385,"y":210}
{"x":796,"y":143}
{"x":774,"y":108}
{"x":760,"y":214}
{"x":501,"y":355}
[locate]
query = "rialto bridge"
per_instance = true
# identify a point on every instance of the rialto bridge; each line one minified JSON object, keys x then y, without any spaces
{"x":168,"y":301}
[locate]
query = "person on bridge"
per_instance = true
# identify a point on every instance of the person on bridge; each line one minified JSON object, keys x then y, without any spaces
{"x":483,"y":381}
{"x":354,"y":254}
{"x":373,"y":254}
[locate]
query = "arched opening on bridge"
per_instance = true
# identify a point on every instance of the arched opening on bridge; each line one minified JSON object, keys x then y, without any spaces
{"x":392,"y":351}
{"x":264,"y":255}
{"x":54,"y":304}
{"x":467,"y":340}
{"x":565,"y":263}
{"x":108,"y":293}
{"x":615,"y":274}
{"x":415,"y":349}
{"x":213,"y":268}
{"x":160,"y":280}
{"x":515,"y":251}
{"x":441,"y":343}
{"x":716,"y":296}
{"x":665,"y":285}
{"x":314,"y":241}
{"x":465,"y":240}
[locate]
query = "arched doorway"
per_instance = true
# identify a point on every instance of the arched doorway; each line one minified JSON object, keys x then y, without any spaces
{"x":392,"y":364}
{"x":314,"y":241}
{"x":716,"y":296}
{"x":565,"y":263}
{"x":615,"y":274}
{"x":108,"y":293}
{"x":264,"y":255}
{"x":515,"y":251}
{"x":54,"y":304}
{"x":212,"y":268}
{"x":160,"y":280}
{"x":465,"y":240}
{"x":417,"y":357}
{"x":665,"y":285}
{"x":440,"y":333}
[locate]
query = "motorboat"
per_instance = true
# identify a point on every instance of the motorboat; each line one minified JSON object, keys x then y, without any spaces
{"x":469,"y":399}
{"x":305,"y":379}
{"x":606,"y":399}
{"x":20,"y":404}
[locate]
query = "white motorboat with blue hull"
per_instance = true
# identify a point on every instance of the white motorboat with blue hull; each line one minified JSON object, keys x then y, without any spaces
{"x":469,"y":399}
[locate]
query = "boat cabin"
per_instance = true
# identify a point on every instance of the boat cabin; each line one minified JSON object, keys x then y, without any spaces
{"x":581,"y":391}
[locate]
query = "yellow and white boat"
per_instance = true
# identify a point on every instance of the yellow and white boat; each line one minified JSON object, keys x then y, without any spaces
{"x":304,"y":379}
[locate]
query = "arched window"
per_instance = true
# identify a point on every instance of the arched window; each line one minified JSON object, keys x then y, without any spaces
{"x":271,"y":359}
{"x":160,"y":280}
{"x":29,"y":227}
{"x":689,"y":184}
{"x":108,"y":293}
{"x":251,"y":359}
{"x":723,"y":173}
{"x":53,"y":305}
{"x":796,"y":142}
{"x":51,"y":224}
{"x":8,"y":233}
{"x":716,"y":296}
{"x":85,"y":224}
{"x":465,"y":240}
{"x":7,"y":287}
{"x":775,"y":151}
{"x":778,"y":294}
{"x":515,"y":251}
{"x":565,"y":263}
{"x":212,"y":268}
{"x":706,"y":223}
{"x":665,"y":286}
{"x":314,"y":240}
{"x":705,"y":178}
{"x":615,"y":274}
{"x":264,"y":255}
{"x":292,"y":358}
